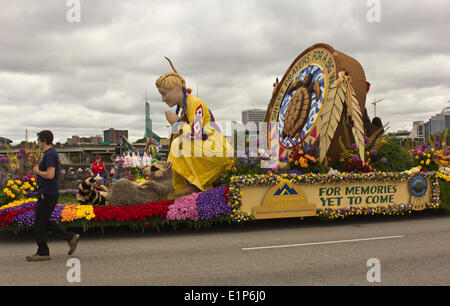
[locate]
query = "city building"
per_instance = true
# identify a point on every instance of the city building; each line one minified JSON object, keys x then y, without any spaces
{"x":402,"y":134}
{"x":438,"y":123}
{"x":253,"y":115}
{"x":77,"y":140}
{"x":113,"y":136}
{"x":418,"y":131}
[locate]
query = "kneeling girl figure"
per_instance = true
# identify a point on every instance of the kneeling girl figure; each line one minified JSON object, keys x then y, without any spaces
{"x":192,"y":172}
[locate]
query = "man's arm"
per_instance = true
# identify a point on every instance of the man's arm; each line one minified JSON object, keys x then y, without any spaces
{"x":47,"y":174}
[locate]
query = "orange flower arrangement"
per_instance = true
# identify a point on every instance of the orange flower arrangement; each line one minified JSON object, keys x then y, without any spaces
{"x":69,"y":213}
{"x":306,"y":161}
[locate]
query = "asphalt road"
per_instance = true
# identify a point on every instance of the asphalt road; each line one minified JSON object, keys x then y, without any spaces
{"x":411,"y":251}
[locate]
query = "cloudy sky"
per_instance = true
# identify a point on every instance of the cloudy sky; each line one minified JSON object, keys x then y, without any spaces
{"x":83,"y":77}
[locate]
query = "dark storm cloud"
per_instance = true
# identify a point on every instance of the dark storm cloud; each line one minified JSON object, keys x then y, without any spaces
{"x":81,"y":78}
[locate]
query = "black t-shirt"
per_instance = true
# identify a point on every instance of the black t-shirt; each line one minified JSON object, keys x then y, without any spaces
{"x":50,"y":159}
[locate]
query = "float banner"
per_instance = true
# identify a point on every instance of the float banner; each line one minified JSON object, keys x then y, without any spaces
{"x":287,"y":200}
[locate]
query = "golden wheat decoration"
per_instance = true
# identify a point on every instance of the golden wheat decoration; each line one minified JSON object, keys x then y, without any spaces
{"x":332,"y":112}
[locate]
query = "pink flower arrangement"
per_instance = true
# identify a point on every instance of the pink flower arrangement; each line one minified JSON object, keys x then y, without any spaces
{"x":184,"y":208}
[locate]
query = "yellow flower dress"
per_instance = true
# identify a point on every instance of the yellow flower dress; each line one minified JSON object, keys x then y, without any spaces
{"x":200,"y":170}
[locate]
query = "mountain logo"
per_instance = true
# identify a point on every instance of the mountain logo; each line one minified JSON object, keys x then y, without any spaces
{"x":284,"y":200}
{"x":285,"y":190}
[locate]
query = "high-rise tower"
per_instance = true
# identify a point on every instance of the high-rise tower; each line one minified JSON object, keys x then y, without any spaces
{"x":148,"y":122}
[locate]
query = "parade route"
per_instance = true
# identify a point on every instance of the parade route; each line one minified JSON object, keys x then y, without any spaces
{"x":411,"y":251}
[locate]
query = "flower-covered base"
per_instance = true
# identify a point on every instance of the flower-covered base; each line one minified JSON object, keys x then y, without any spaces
{"x":221,"y":204}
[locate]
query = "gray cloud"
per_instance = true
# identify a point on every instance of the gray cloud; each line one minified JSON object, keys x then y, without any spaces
{"x":81,"y":78}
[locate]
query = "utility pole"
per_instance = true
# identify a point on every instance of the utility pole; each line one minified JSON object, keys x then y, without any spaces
{"x":375,"y":106}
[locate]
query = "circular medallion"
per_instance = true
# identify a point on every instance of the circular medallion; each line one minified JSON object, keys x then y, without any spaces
{"x":307,"y":105}
{"x":418,"y":185}
{"x":289,"y":141}
{"x":299,"y":97}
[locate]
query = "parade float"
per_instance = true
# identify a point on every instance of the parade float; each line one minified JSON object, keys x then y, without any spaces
{"x":322,"y":158}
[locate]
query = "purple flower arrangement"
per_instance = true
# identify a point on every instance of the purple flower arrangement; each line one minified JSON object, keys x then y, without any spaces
{"x":27,"y":218}
{"x":294,"y":172}
{"x":56,"y":214}
{"x":213,"y":203}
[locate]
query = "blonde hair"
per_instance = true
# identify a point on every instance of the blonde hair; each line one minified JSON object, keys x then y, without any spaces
{"x":170,"y":80}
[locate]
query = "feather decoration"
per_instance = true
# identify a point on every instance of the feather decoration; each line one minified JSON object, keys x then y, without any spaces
{"x":332,"y":113}
{"x":356,"y":117}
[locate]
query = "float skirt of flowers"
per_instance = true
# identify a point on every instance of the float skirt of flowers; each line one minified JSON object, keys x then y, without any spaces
{"x":196,"y":210}
{"x":221,"y":204}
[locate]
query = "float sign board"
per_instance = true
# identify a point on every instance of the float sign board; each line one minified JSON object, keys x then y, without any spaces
{"x":287,"y":200}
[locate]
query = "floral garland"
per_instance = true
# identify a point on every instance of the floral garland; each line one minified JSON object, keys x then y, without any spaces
{"x":313,"y":178}
{"x":397,"y":210}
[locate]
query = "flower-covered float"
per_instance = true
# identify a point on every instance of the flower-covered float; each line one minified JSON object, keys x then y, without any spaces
{"x":320,"y":156}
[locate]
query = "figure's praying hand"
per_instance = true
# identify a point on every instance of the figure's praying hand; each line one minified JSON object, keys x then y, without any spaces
{"x":171,"y":117}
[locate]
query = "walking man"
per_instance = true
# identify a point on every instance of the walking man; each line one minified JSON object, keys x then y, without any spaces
{"x":47,"y":174}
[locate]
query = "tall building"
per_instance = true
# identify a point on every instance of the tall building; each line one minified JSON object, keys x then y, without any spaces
{"x":113,"y":136}
{"x":437,"y":123}
{"x":253,"y":115}
{"x":418,"y":131}
{"x":148,"y":123}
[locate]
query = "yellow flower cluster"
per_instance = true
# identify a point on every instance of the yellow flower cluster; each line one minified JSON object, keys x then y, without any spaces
{"x":16,"y":188}
{"x":74,"y":212}
{"x":230,"y":166}
{"x":239,"y":215}
{"x":443,"y":176}
{"x":427,"y":159}
{"x":18,"y":203}
{"x":85,"y":211}
{"x":9,"y":193}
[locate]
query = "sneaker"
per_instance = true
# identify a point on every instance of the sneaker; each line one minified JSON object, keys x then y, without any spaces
{"x":73,"y":244}
{"x":37,"y":257}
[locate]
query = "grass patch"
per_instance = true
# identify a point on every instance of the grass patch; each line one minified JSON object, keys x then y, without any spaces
{"x":65,"y":199}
